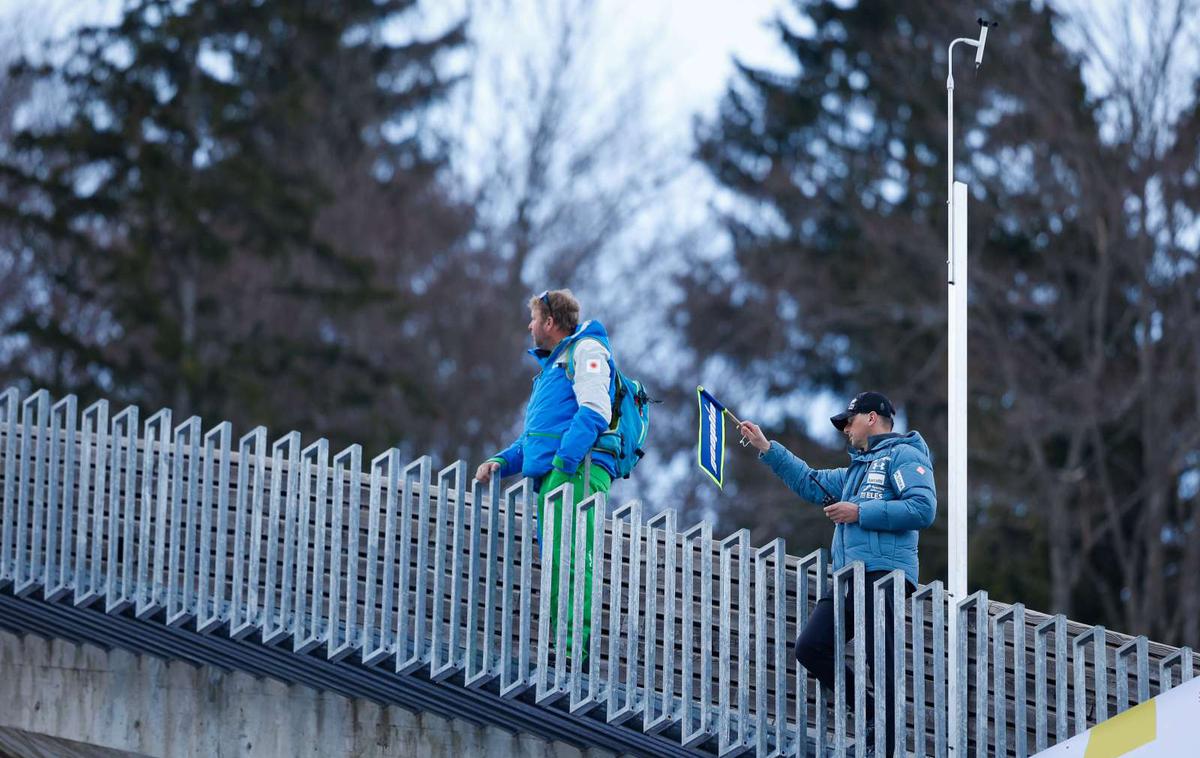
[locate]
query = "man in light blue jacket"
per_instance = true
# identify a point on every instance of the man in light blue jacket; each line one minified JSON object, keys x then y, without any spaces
{"x":878,"y":504}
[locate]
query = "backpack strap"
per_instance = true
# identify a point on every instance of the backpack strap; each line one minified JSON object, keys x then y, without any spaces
{"x":571,"y":361}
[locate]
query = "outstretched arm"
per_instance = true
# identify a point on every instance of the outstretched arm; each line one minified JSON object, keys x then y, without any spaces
{"x":820,"y":486}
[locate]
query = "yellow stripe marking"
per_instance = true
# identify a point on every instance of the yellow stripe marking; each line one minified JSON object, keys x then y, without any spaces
{"x":1135,"y":727}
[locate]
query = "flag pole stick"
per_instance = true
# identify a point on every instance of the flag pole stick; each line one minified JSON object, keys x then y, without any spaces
{"x":743,"y":441}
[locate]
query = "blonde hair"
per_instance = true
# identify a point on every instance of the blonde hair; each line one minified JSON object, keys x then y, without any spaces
{"x":559,"y":305}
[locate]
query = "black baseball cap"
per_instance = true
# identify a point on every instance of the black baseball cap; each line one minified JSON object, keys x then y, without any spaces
{"x":864,"y":402}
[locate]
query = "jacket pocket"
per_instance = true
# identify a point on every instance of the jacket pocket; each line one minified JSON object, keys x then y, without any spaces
{"x":539,"y":450}
{"x":887,"y":544}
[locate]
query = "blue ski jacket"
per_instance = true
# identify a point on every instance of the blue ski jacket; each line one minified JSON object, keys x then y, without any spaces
{"x":891,"y":482}
{"x":558,"y":431}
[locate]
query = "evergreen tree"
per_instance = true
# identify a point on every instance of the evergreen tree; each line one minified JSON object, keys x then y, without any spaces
{"x":837,"y":221}
{"x":241,"y":212}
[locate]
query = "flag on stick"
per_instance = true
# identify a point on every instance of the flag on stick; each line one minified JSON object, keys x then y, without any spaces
{"x":710,"y":440}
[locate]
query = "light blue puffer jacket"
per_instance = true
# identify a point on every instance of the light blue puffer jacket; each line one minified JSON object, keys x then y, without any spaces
{"x":558,"y":432}
{"x":892,"y":484}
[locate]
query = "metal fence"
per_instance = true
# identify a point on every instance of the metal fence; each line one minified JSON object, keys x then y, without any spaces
{"x":428,"y":575}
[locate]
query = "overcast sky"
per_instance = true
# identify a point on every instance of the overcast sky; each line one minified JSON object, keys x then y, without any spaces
{"x":697,"y":37}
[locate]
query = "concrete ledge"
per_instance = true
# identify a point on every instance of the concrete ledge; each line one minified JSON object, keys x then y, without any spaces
{"x":126,"y":702}
{"x":16,"y":743}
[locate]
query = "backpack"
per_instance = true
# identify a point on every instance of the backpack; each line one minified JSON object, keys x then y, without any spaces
{"x":625,"y":439}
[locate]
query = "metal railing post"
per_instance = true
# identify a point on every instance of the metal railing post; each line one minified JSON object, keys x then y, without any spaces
{"x":1139,"y":649}
{"x":451,"y":479}
{"x":596,"y":694}
{"x":411,"y":642}
{"x":1183,"y":659}
{"x":889,"y":606}
{"x":696,"y":717}
{"x":770,"y":589}
{"x":120,"y":592}
{"x":9,"y":403}
{"x":211,"y":603}
{"x":515,"y":676}
{"x":1014,"y":617}
{"x":660,"y":707}
{"x":93,"y":454}
{"x":625,"y":616}
{"x":818,"y":562}
{"x":61,"y":500}
{"x":1097,"y":636}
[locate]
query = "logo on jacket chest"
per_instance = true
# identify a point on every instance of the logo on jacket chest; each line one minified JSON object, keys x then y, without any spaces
{"x":876,"y":479}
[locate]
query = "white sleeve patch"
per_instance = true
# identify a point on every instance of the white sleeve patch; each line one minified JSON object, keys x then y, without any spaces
{"x":592,"y":378}
{"x":898,"y":478}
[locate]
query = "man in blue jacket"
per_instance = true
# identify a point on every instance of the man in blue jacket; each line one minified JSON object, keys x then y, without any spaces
{"x":878,"y":504}
{"x":568,"y":413}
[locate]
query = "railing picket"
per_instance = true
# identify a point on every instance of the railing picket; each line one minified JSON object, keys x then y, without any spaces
{"x":733,"y":727}
{"x":61,"y":500}
{"x":313,"y":479}
{"x":625,"y":617}
{"x":212,"y":606}
{"x":1098,"y":637}
{"x":35,"y":425}
{"x":344,"y":634}
{"x":696,"y":716}
{"x":412,"y":650}
{"x":660,"y":707}
{"x":595,"y":508}
{"x":514,"y":664}
{"x":244,"y":613}
{"x":8,"y":407}
{"x":181,"y":545}
{"x":441,"y":664}
{"x":1183,"y":659}
{"x":120,"y":592}
{"x":89,"y":542}
{"x":555,"y":545}
{"x":152,"y":532}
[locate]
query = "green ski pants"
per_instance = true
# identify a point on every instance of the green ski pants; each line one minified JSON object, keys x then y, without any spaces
{"x":600,"y":482}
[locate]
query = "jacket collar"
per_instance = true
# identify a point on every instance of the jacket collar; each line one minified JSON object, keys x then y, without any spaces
{"x":874,"y":443}
{"x":591,"y":328}
{"x":546,"y":357}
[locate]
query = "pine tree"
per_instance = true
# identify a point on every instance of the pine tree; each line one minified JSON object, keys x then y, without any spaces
{"x":240,"y":212}
{"x":837,"y":174}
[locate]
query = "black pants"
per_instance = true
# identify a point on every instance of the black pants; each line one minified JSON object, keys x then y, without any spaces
{"x":815,"y":648}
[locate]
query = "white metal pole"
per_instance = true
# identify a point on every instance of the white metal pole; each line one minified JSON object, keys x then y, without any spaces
{"x":956,"y":394}
{"x":954,"y":563}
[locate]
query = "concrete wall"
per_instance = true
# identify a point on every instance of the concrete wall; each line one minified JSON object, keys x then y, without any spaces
{"x":145,"y":705}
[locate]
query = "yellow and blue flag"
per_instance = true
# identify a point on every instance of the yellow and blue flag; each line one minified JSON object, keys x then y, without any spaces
{"x":710,"y":442}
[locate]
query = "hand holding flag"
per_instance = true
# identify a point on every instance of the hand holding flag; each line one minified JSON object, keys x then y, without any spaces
{"x":753,"y":435}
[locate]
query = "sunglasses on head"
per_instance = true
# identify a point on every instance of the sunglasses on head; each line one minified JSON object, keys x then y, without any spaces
{"x":545,"y":298}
